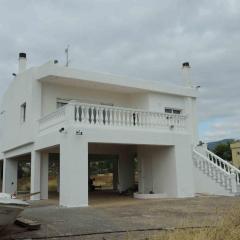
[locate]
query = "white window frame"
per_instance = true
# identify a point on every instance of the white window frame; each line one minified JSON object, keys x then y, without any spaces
{"x":172,"y":110}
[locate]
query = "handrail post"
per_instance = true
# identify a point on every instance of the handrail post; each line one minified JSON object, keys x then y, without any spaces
{"x":70,"y":113}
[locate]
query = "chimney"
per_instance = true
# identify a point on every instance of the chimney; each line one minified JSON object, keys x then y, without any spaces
{"x":186,"y":72}
{"x":22,"y":64}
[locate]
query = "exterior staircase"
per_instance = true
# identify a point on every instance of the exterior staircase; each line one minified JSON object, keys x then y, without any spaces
{"x":219,"y":170}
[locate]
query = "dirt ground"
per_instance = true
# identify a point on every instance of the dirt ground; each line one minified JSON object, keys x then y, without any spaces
{"x":111,"y":216}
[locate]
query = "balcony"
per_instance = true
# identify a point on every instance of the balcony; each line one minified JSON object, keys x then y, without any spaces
{"x":100,"y":116}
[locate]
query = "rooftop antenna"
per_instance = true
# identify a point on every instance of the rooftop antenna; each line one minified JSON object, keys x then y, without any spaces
{"x":67,"y":55}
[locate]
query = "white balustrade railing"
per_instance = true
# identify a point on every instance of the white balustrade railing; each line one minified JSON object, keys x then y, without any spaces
{"x":52,"y":119}
{"x":225,"y":165}
{"x":208,"y":167}
{"x":102,"y":115}
{"x":217,"y":168}
{"x":125,"y":117}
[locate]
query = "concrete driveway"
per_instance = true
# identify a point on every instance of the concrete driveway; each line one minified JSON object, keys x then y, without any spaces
{"x":120,"y":214}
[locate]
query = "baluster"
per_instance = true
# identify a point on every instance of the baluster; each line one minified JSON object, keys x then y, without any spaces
{"x":113,"y":117}
{"x":110,"y":117}
{"x":100,"y":116}
{"x":116,"y":117}
{"x":75,"y":113}
{"x":153,"y":120}
{"x":236,"y":174}
{"x":148,"y":120}
{"x":168,"y":120}
{"x":159,"y":122}
{"x":164,"y":120}
{"x":131,"y":116}
{"x":92,"y":115}
{"x":79,"y":114}
{"x":127,"y":118}
{"x":140,"y":119}
{"x":119,"y":117}
{"x":87,"y":115}
{"x":106,"y":116}
{"x":143,"y":120}
{"x":84,"y":114}
{"x":97,"y":116}
{"x":123,"y":116}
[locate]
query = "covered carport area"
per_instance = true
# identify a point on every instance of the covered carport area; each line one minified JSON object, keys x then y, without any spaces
{"x":160,"y":163}
{"x":148,"y":170}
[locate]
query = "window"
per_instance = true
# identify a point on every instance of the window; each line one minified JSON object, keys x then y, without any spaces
{"x":176,"y":111}
{"x":168,"y":110}
{"x":173,"y":110}
{"x":23,"y":112}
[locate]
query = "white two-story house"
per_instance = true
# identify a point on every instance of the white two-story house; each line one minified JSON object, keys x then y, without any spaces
{"x":56,"y":109}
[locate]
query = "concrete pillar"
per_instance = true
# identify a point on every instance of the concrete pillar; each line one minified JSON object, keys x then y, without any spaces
{"x":58,"y":175}
{"x":73,"y":170}
{"x":35,"y":174}
{"x":145,"y":181}
{"x":1,"y":175}
{"x":115,"y":174}
{"x":44,"y":175}
{"x":184,"y":167}
{"x":125,"y":169}
{"x":10,"y":167}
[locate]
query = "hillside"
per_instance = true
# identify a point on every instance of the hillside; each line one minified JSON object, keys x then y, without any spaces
{"x":212,"y":145}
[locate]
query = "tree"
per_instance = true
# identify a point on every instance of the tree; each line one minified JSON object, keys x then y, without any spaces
{"x":223,"y":150}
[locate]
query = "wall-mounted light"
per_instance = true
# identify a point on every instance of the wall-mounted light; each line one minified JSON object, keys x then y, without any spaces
{"x":62,"y":130}
{"x":79,"y":132}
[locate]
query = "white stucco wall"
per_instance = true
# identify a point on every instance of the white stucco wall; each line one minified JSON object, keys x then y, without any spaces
{"x":166,"y":170}
{"x":14,"y":132}
{"x":204,"y":184}
{"x":50,"y":93}
{"x":158,"y":102}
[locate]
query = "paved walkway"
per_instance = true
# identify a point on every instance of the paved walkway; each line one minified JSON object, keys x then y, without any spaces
{"x":119,"y":213}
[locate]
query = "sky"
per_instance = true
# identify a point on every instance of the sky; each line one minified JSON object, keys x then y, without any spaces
{"x":136,"y":38}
